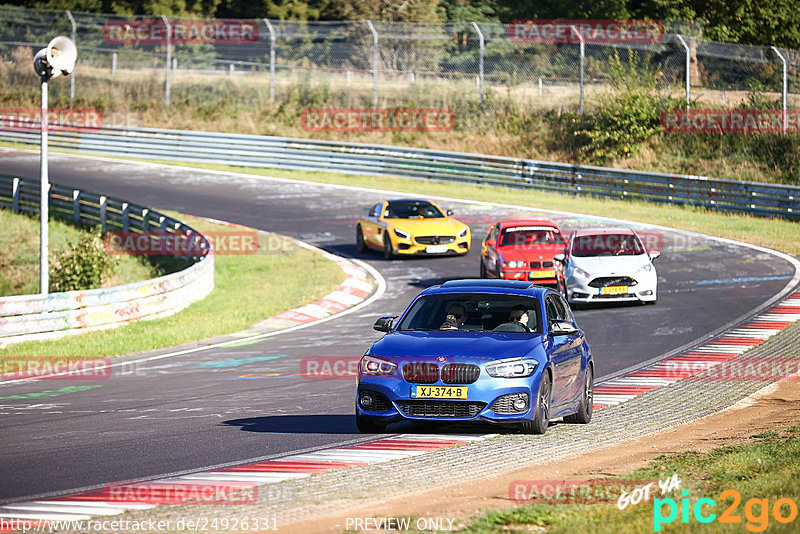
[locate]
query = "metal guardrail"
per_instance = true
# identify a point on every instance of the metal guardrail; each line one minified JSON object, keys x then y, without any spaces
{"x":37,"y":317}
{"x":424,"y":164}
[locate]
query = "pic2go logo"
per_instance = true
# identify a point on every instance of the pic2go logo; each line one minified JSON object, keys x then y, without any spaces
{"x":756,"y":511}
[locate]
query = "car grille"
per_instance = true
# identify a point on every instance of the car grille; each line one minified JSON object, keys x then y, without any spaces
{"x":460,"y":373}
{"x":427,"y":408}
{"x":435,"y":239}
{"x":421,"y":372}
{"x":505,"y":405}
{"x":379,"y":402}
{"x":539,"y":264}
{"x":605,"y":281}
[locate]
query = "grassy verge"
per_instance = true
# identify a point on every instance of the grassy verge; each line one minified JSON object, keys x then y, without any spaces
{"x":19,"y":261}
{"x":777,"y":234}
{"x":248,"y":289}
{"x":763,"y":468}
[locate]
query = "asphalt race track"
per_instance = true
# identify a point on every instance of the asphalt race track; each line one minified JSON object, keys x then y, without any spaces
{"x":193,"y":411}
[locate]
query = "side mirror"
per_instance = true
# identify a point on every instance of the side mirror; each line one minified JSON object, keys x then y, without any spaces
{"x":654,"y":255}
{"x":560,"y":258}
{"x":384,"y":324}
{"x":449,"y":213}
{"x":562,"y":328}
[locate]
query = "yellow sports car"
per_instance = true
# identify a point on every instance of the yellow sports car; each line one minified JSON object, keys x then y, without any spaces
{"x":411,"y":227}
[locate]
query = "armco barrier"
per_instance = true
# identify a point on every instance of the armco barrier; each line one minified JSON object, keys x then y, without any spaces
{"x":36,"y":317}
{"x":381,"y":160}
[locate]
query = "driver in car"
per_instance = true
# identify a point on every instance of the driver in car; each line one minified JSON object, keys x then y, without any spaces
{"x":517,"y":320}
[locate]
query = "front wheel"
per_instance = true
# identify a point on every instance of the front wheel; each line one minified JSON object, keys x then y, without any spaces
{"x":388,"y":253}
{"x":360,"y":244}
{"x":369,"y":425}
{"x":542,"y":420}
{"x":586,"y":406}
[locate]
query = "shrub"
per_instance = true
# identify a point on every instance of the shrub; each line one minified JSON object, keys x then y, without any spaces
{"x":81,"y":265}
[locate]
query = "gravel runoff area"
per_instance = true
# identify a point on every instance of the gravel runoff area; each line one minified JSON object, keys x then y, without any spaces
{"x":337,"y":491}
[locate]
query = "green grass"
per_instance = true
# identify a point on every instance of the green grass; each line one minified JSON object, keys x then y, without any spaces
{"x":764,"y":468}
{"x":248,"y":289}
{"x":778,"y":234}
{"x":19,"y":260}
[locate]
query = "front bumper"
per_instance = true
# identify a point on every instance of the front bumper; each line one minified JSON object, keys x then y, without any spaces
{"x":489,"y":400}
{"x":579,"y":291}
{"x":409,"y":247}
{"x":529,"y":275}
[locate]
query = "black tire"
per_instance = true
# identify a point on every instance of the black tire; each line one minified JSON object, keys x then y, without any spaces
{"x":388,"y":253}
{"x":586,"y":406}
{"x":369,"y":425}
{"x":483,"y":269}
{"x":542,"y":420}
{"x":360,"y":245}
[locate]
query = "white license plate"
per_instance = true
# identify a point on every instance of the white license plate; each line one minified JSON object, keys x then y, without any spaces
{"x":436,"y":249}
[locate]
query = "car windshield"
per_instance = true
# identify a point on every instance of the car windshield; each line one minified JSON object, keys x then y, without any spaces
{"x":412,"y":209}
{"x":607,"y":245}
{"x":479,"y":312}
{"x":530,"y":235}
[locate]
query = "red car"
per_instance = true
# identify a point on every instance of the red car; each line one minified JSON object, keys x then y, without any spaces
{"x":524,"y":250}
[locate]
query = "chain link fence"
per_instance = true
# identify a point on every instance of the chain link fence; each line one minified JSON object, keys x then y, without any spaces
{"x":247,"y":66}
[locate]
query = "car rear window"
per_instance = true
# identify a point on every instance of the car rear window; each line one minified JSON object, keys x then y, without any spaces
{"x":606,"y":245}
{"x":479,"y":312}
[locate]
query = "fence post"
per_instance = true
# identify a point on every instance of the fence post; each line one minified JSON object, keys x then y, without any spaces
{"x":103,"y":206}
{"x":685,"y":46}
{"x":76,"y":206}
{"x":271,"y":60}
{"x":126,"y":217}
{"x":169,"y":58}
{"x":113,"y":63}
{"x":74,"y":40}
{"x":374,"y":62}
{"x":583,"y":60}
{"x":480,"y":57}
{"x":785,"y":89}
{"x":145,"y":219}
{"x":15,"y":195}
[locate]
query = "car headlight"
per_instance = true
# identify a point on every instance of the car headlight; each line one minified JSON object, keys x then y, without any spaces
{"x":373,"y":366}
{"x":401,"y":234}
{"x":513,"y":264}
{"x":646,"y":268}
{"x":511,"y":368}
{"x":580,"y":272}
{"x":463,"y":232}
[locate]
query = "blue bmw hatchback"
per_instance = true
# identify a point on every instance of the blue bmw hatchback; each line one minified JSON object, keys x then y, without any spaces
{"x":499,"y":351}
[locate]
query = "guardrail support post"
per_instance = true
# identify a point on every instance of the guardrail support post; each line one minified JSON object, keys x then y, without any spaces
{"x":145,"y":219}
{"x":480,"y":57}
{"x":271,"y":60}
{"x":113,"y":63}
{"x":785,"y":88}
{"x":76,"y":206}
{"x":103,"y":206}
{"x":169,"y":60}
{"x":685,"y":46}
{"x":15,"y":195}
{"x":583,"y":61}
{"x":74,"y":40}
{"x":374,"y":62}
{"x":162,"y":224}
{"x":126,"y":217}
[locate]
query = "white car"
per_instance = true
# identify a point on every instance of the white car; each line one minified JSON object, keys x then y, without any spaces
{"x":609,"y":264}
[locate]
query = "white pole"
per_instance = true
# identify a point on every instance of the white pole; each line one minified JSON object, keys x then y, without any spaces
{"x":271,"y":60}
{"x":480,"y":57}
{"x":374,"y":62}
{"x":169,"y":59}
{"x":785,"y":89}
{"x":74,"y":40}
{"x":583,"y":57}
{"x":682,"y":41}
{"x":44,"y":200}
